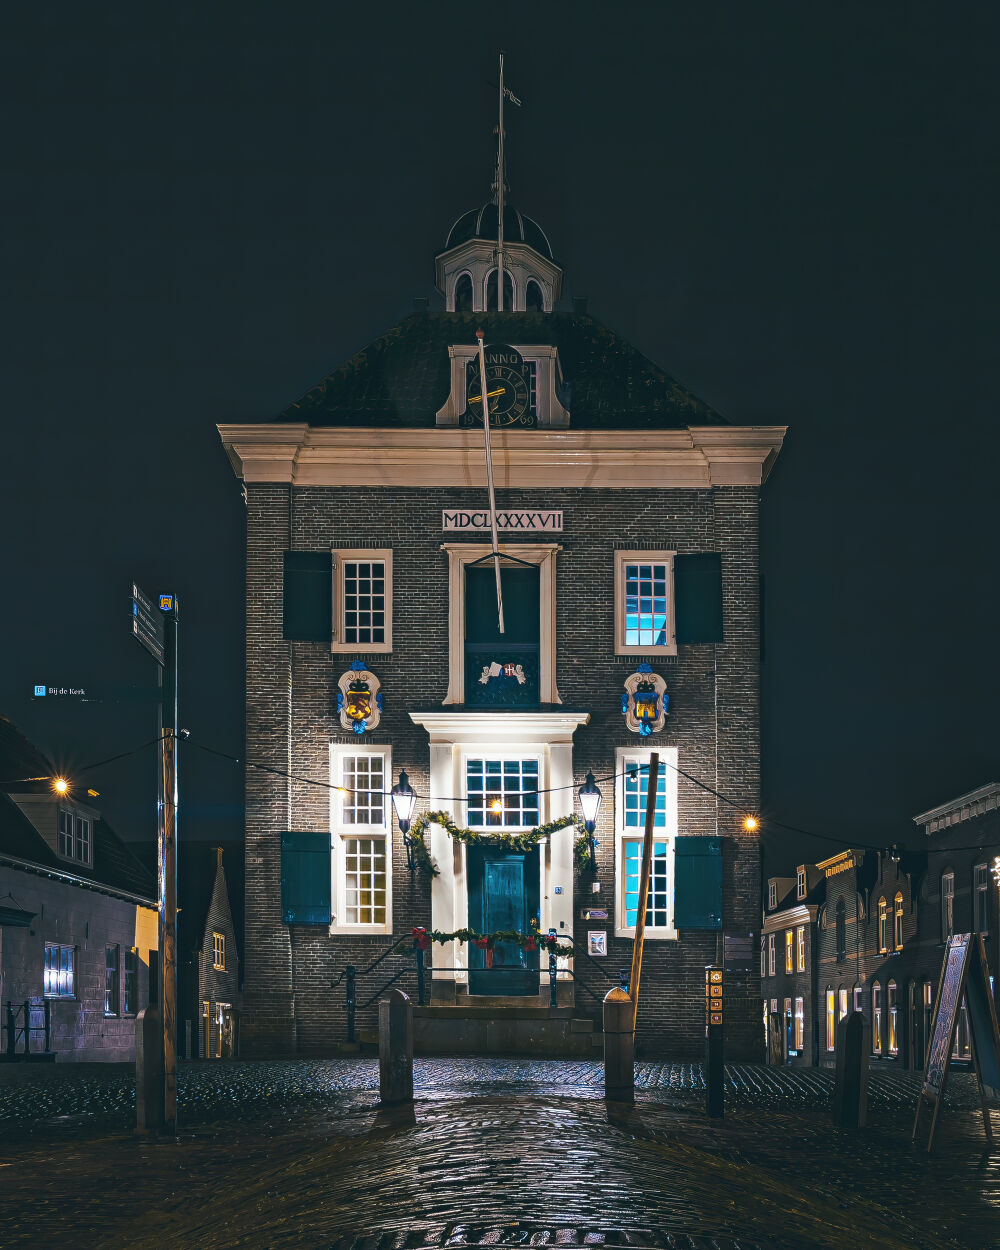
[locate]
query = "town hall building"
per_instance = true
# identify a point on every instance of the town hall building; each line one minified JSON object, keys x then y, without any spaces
{"x":627,"y":526}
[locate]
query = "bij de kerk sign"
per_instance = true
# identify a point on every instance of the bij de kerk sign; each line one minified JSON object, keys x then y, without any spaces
{"x":549,"y":521}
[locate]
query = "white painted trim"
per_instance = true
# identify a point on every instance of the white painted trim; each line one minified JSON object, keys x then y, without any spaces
{"x":640,"y":755}
{"x":695,"y":458}
{"x":339,"y":831}
{"x":462,"y":554}
{"x":488,"y":751}
{"x":339,"y":555}
{"x":967,"y":806}
{"x":639,"y":557}
{"x":794,"y":916}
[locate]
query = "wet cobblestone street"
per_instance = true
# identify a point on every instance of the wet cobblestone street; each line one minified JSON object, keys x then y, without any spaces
{"x":519,"y":1152}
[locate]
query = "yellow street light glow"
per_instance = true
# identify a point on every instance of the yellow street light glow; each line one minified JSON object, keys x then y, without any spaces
{"x":61,"y":785}
{"x":750,"y":824}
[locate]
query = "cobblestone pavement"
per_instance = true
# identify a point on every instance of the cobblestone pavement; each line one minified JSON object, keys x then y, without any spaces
{"x":506,"y":1152}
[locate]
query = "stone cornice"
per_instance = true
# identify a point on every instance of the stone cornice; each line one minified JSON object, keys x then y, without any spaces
{"x":500,"y":727}
{"x":965,"y":807}
{"x":694,"y":458}
{"x":805,"y":913}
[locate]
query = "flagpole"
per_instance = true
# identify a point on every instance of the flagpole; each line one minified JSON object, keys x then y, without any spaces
{"x":500,"y":273}
{"x":481,"y":336}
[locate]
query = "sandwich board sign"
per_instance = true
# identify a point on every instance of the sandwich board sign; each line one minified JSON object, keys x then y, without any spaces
{"x":964,"y":972}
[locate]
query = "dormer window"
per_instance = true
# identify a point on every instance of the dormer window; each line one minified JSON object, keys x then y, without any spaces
{"x":800,"y":882}
{"x":772,"y":895}
{"x":463,"y":294}
{"x":74,"y":837}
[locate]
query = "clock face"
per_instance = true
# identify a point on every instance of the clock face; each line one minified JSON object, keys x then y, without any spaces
{"x":507,"y":389}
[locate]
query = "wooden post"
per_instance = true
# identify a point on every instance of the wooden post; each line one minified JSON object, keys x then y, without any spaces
{"x":619,"y":1047}
{"x":395,"y":1048}
{"x":168,"y":871}
{"x":647,"y":859}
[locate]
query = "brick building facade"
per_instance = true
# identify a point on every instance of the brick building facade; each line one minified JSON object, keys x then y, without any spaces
{"x":789,"y":955}
{"x":362,"y":543}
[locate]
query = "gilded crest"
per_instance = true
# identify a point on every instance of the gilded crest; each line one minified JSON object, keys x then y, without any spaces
{"x":359,"y":702}
{"x":645,"y":702}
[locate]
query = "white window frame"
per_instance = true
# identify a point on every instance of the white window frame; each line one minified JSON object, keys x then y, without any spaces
{"x":897,"y":920}
{"x":800,"y":883}
{"x":626,"y":757}
{"x":842,"y":1002}
{"x":800,"y":1024}
{"x":63,"y":978}
{"x":644,"y":557}
{"x":76,"y":825}
{"x":771,"y":964}
{"x":831,"y":1019}
{"x":490,"y":753}
{"x":789,"y":951}
{"x":341,"y":556}
{"x":800,"y":948}
{"x":340,"y":833}
{"x":883,"y":926}
{"x":218,"y":951}
{"x":772,"y":895}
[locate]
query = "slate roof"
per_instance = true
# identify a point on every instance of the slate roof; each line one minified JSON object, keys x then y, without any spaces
{"x":403,"y":377}
{"x":114,"y":864}
{"x":482,"y":223}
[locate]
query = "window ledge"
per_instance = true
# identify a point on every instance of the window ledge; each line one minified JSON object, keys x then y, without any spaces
{"x":651,"y":935}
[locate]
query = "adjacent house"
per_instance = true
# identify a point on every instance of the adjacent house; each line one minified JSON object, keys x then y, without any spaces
{"x":788,"y":966}
{"x":78,"y":918}
{"x":208,"y":972}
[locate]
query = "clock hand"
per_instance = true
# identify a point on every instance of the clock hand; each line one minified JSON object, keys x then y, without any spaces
{"x":475,"y":399}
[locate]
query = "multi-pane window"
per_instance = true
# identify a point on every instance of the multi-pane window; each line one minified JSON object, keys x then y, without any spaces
{"x":897,"y":921}
{"x":658,"y":901}
{"x":947,"y":905}
{"x":831,"y":1019}
{"x":363,"y":782}
{"x":842,"y":1001}
{"x":365,"y":893}
{"x":789,"y":951}
{"x":800,"y":883}
{"x":362,"y":609}
{"x":981,"y":899}
{"x":66,"y":842}
{"x":770,"y":955}
{"x":502,"y":794}
{"x":800,"y":1023}
{"x":858,"y":998}
{"x":644,"y":613}
{"x":60,"y":965}
{"x":111,"y":980}
{"x":74,"y":837}
{"x":772,"y":895}
{"x":876,"y":1018}
{"x":219,"y":951}
{"x":883,"y":926}
{"x":893,"y":1008}
{"x":800,"y":936}
{"x":130,"y":1002}
{"x":763,"y":958}
{"x":362,"y":884}
{"x":634,"y":786}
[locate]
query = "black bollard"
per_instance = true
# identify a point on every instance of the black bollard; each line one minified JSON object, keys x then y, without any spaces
{"x":850,"y":1089}
{"x":619,"y":1047}
{"x":395,"y":1048}
{"x":148,"y":1071}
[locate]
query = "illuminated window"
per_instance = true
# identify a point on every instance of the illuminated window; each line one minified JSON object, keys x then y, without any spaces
{"x":111,"y":980}
{"x":800,"y":935}
{"x":897,"y":921}
{"x":858,"y":998}
{"x":842,"y":1001}
{"x":789,"y":957}
{"x":60,"y":966}
{"x":893,"y":1018}
{"x":130,"y":1002}
{"x":763,"y":958}
{"x":644,"y":603}
{"x":361,"y":889}
{"x":876,"y":1018}
{"x":362,"y":607}
{"x":219,"y":951}
{"x":502,"y":794}
{"x":883,"y":926}
{"x":831,"y":1019}
{"x":770,"y":955}
{"x":206,"y":1030}
{"x":947,"y":905}
{"x":631,"y":785}
{"x":800,"y":1023}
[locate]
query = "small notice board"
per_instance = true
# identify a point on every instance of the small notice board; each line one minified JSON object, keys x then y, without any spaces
{"x":963,"y":972}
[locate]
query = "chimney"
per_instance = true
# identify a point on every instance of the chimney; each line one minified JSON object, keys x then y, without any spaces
{"x":579,"y":305}
{"x":420,"y":303}
{"x":218,"y":855}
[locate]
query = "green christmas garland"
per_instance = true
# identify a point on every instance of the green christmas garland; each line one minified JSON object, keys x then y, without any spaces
{"x":534,"y":939}
{"x":508,"y":841}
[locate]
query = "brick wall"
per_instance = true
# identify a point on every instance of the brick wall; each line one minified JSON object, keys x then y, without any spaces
{"x":714,"y":722}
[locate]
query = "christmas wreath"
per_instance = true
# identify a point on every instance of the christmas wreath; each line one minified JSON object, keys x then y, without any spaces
{"x":522,"y":841}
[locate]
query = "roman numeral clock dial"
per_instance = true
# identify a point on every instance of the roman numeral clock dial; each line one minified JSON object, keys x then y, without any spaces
{"x":507,"y":390}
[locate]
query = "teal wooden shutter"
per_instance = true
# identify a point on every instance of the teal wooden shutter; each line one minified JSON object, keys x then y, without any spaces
{"x":307,"y":596}
{"x":698,"y":597}
{"x":698,"y":883}
{"x":305,"y":878}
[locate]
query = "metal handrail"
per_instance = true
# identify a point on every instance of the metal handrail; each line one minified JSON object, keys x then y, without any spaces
{"x":372,"y":966}
{"x":392,"y":980}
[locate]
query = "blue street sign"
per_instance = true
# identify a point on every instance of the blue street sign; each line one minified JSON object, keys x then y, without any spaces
{"x":39,"y":691}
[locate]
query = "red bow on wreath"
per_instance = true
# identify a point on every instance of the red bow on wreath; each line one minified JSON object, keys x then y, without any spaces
{"x":421,"y":938}
{"x":529,"y":943}
{"x":482,"y":943}
{"x":550,"y":941}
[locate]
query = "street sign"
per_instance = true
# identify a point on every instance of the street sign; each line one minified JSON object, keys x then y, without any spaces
{"x":147,"y":624}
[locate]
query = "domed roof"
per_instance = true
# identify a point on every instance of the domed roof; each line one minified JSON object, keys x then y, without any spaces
{"x":481,"y":223}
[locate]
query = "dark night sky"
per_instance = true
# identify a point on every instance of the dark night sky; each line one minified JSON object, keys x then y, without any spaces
{"x":791,"y":207}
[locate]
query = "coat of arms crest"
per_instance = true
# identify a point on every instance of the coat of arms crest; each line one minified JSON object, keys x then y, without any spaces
{"x":645,"y":702}
{"x":359,"y":702}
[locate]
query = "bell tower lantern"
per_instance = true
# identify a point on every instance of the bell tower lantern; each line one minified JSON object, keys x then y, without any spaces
{"x":466,"y":271}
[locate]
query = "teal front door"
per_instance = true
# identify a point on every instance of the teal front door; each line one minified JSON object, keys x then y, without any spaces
{"x":503,"y":896}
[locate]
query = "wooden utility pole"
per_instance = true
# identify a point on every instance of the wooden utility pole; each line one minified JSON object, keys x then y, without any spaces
{"x":647,"y":860}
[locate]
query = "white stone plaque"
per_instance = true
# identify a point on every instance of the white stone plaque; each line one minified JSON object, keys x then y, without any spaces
{"x":549,"y":521}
